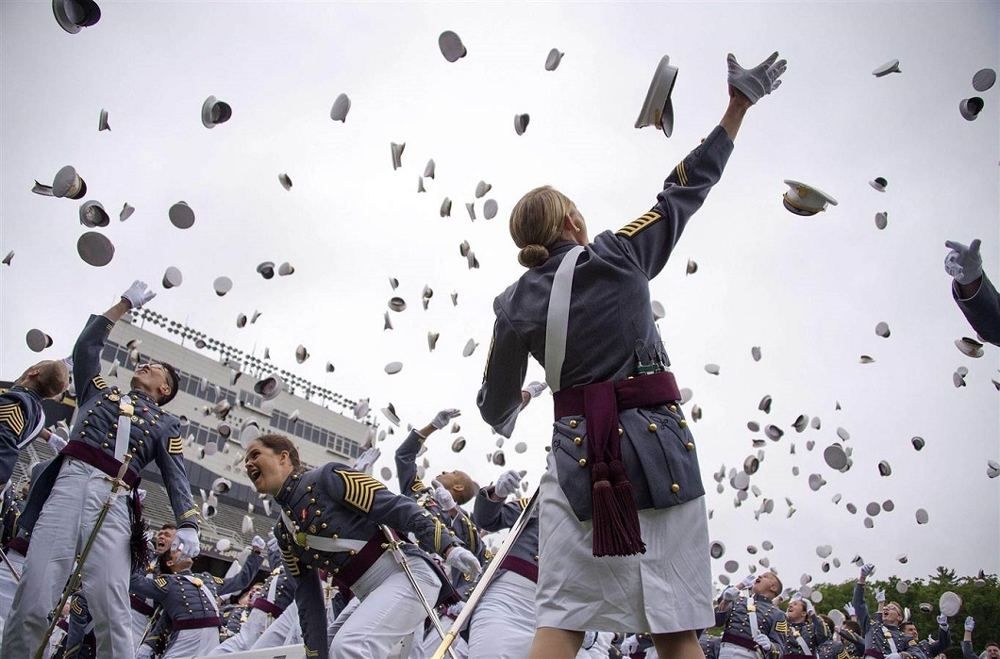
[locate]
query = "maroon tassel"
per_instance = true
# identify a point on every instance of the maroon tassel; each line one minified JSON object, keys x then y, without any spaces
{"x":609,"y":531}
{"x":625,"y":502}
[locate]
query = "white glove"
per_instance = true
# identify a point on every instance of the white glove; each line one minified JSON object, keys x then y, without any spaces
{"x":630,"y":645}
{"x":730,"y":594}
{"x":758,"y":81}
{"x":942,"y":621}
{"x":367,"y":460}
{"x":964,"y":263}
{"x":138,"y":294}
{"x":970,"y":624}
{"x":536,"y":388}
{"x":748,"y":581}
{"x":508,"y":483}
{"x":456,"y":608}
{"x":463,"y":560}
{"x":880,"y":596}
{"x":144,"y":652}
{"x":56,"y":442}
{"x":867,"y":570}
{"x":810,"y":609}
{"x":186,"y":539}
{"x":443,"y":497}
{"x":444,"y":417}
{"x":763,"y":641}
{"x":272,"y":546}
{"x":849,"y":609}
{"x":258,"y":543}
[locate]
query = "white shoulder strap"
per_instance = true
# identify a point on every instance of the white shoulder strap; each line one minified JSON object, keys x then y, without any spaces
{"x":557,"y":321}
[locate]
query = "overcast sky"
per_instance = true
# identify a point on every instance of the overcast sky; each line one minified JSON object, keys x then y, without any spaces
{"x":808,"y":291}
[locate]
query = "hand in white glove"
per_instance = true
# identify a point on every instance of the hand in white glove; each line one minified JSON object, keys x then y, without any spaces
{"x":186,"y":539}
{"x":758,"y":81}
{"x":138,"y":294}
{"x":748,"y":581}
{"x":536,"y":388}
{"x":964,"y":263}
{"x":463,"y":560}
{"x":970,"y":624}
{"x":508,"y":483}
{"x":810,"y":609}
{"x":867,"y":570}
{"x":763,"y":642}
{"x":630,"y":645}
{"x":730,"y":594}
{"x":366,"y":461}
{"x":849,"y":609}
{"x":444,"y":417}
{"x":258,"y":544}
{"x":272,"y":546}
{"x":880,"y":596}
{"x":942,"y":621}
{"x":443,"y":497}
{"x":56,"y":442}
{"x":456,"y":608}
{"x":144,"y":652}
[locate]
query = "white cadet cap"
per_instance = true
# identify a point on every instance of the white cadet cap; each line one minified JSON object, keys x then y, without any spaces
{"x":397,"y":154}
{"x":102,"y":121}
{"x":172,"y":277}
{"x":451,"y":46}
{"x":72,"y":15}
{"x":285,"y":181}
{"x":393,"y":367}
{"x":214,"y":112}
{"x":805,"y":200}
{"x":968,"y":107}
{"x":658,"y":110}
{"x":490,"y":209}
{"x":301,"y":354}
{"x":285,"y":269}
{"x":432,"y":339}
{"x":429,"y":169}
{"x":95,"y":249}
{"x":92,"y":214}
{"x":879,"y":184}
{"x":553,"y":59}
{"x":7,"y":259}
{"x":222,"y":285}
{"x":482,"y":188}
{"x":270,"y":386}
{"x":521,"y":123}
{"x":446,"y":207}
{"x":892,"y":66}
{"x":470,"y":347}
{"x":983,"y":79}
{"x":969,"y":347}
{"x":67,"y":183}
{"x":181,"y":215}
{"x":37,"y":340}
{"x":126,"y":212}
{"x":881,"y":220}
{"x":340,"y":108}
{"x":266,"y":269}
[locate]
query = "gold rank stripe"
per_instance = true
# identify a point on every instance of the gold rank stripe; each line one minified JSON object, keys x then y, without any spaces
{"x":13,"y":416}
{"x":312,"y":653}
{"x":637,"y":225}
{"x":291,"y":563}
{"x":439,"y":530}
{"x":523,"y":503}
{"x":160,"y":582}
{"x":682,"y":173}
{"x":189,"y":513}
{"x":76,"y":608}
{"x":473,"y":536}
{"x":99,"y":382}
{"x":175,"y":446}
{"x":418,"y":485}
{"x":359,"y":489}
{"x":781,"y":626}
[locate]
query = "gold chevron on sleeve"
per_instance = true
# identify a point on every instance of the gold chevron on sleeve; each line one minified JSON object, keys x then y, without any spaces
{"x":99,"y":383}
{"x":523,"y":503}
{"x":189,"y":513}
{"x":359,"y":489}
{"x":781,"y":626}
{"x":682,"y":176}
{"x":291,"y":562}
{"x":13,"y":417}
{"x":160,"y":582}
{"x":418,"y":485}
{"x":637,"y":225}
{"x":175,"y":445}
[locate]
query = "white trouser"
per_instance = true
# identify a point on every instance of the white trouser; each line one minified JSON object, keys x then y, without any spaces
{"x":388,"y":609}
{"x":60,"y":533}
{"x":7,"y":582}
{"x":503,"y":622}
{"x":140,"y":621}
{"x":284,"y":630}
{"x":189,"y":643}
{"x":733,"y":651}
{"x":249,"y":632}
{"x":425,"y":643}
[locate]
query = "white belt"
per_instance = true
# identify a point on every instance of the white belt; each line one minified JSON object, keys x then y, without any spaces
{"x":752,"y":617}
{"x":892,"y":643}
{"x":557,"y":318}
{"x":802,"y":643}
{"x":209,"y":595}
{"x":125,"y":412}
{"x":330,"y":545}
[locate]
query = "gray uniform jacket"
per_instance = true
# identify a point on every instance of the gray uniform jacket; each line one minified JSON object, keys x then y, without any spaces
{"x":982,"y":310}
{"x":813,"y":630}
{"x":337,"y":502}
{"x":154,"y":435}
{"x":611,"y":330}
{"x":876,"y":633}
{"x":735,"y":623}
{"x":184,"y":601}
{"x":496,"y":515}
{"x":461,"y":527}
{"x":20,"y":418}
{"x":925,"y":649}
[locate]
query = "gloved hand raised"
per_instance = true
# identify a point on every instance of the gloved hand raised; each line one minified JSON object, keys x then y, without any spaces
{"x":758,"y":81}
{"x":186,"y":539}
{"x":138,"y":294}
{"x":730,"y":594}
{"x":970,"y":623}
{"x":849,"y":609}
{"x":880,"y":596}
{"x":630,"y":645}
{"x":508,"y":483}
{"x":942,"y":621}
{"x":258,"y":544}
{"x":867,"y":570}
{"x":444,"y":417}
{"x":963,"y":263}
{"x":443,"y":497}
{"x":367,"y":460}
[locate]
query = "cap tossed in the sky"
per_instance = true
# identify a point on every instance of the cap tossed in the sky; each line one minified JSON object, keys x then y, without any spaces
{"x":490,"y":209}
{"x":92,"y":214}
{"x":340,"y":108}
{"x":970,"y":347}
{"x":285,"y":180}
{"x":397,"y":154}
{"x":172,"y":278}
{"x":37,"y":340}
{"x":451,"y":46}
{"x":102,"y":121}
{"x":67,"y":183}
{"x":983,"y":79}
{"x":222,"y":285}
{"x":879,"y":184}
{"x":181,"y":215}
{"x":446,"y":207}
{"x":805,"y":200}
{"x":658,"y":110}
{"x":521,"y":123}
{"x":892,"y":66}
{"x":301,"y":354}
{"x":215,"y":112}
{"x":266,"y":269}
{"x":968,"y":107}
{"x":95,"y":249}
{"x":553,"y":59}
{"x":270,"y":386}
{"x":126,"y":212}
{"x":73,"y":15}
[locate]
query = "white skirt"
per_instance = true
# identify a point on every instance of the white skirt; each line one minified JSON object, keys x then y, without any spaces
{"x":667,"y":589}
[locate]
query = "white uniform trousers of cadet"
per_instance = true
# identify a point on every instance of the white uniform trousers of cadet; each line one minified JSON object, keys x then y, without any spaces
{"x":244,"y":639}
{"x":60,"y":533}
{"x":284,"y":630}
{"x":503,"y":622}
{"x":387,"y":611}
{"x":189,"y":643}
{"x":733,"y":651}
{"x":8,"y":584}
{"x":140,"y":623}
{"x":425,"y":642}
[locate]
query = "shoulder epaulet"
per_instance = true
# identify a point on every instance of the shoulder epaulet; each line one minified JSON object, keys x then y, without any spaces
{"x":359,"y":489}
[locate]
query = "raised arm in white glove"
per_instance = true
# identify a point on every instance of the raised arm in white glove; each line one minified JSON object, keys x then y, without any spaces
{"x":758,"y":81}
{"x":138,"y":294}
{"x":748,"y":581}
{"x":444,"y":417}
{"x":258,"y":544}
{"x":443,"y":497}
{"x":508,"y":483}
{"x":867,"y":570}
{"x":964,"y":263}
{"x":942,"y":621}
{"x":849,"y":610}
{"x":56,"y":442}
{"x":366,"y":461}
{"x":464,"y":560}
{"x":880,"y":596}
{"x":763,"y":641}
{"x":730,"y":594}
{"x":186,"y":539}
{"x":970,"y":623}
